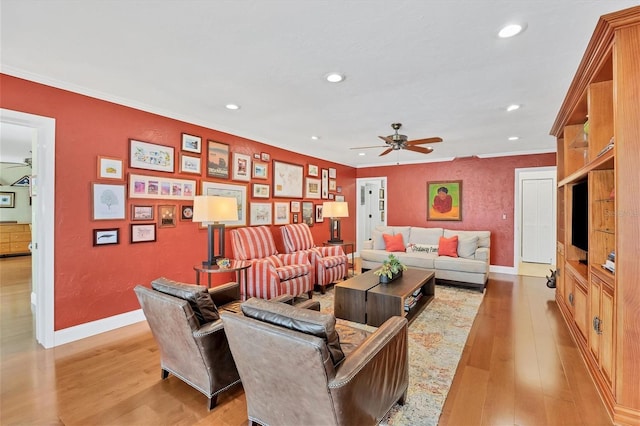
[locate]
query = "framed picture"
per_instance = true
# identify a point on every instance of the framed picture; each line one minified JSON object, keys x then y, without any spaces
{"x":103,"y":237}
{"x":186,"y":212}
{"x":23,"y":181}
{"x":141,"y":212}
{"x":331,"y":196}
{"x":167,"y":216}
{"x":339,"y":197}
{"x":237,"y":191}
{"x":260,"y":170}
{"x":332,"y":185}
{"x":332,"y":173}
{"x":260,"y":214}
{"x":241,"y":167}
{"x":281,"y":213}
{"x":143,"y":232}
{"x":319,"y":217}
{"x":217,"y":160}
{"x":260,"y":190}
{"x":191,"y":143}
{"x":287,"y":180}
{"x":256,"y":155}
{"x":265,"y":156}
{"x":381,"y":205}
{"x":7,"y":200}
{"x":108,"y":201}
{"x":151,"y":156}
{"x":307,"y":212}
{"x":325,"y":184}
{"x":110,"y":168}
{"x":312,"y":188}
{"x":294,"y":217}
{"x":381,"y":193}
{"x":444,"y":200}
{"x":189,"y":164}
{"x":312,"y":170}
{"x":160,"y":187}
{"x":295,"y":207}
{"x":339,"y":189}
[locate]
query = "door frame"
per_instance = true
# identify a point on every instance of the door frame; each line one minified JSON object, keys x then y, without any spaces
{"x":42,"y":218}
{"x":381,"y":182}
{"x":548,"y":172}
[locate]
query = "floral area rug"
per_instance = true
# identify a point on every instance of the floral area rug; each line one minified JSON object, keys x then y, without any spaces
{"x":436,"y":340}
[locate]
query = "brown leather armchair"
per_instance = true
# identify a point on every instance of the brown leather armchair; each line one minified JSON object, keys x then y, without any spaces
{"x":189,"y":333}
{"x":300,"y":367}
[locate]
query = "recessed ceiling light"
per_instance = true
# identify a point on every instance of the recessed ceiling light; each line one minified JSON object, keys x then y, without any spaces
{"x":315,"y":138}
{"x":513,"y":107}
{"x":232,"y":106}
{"x":335,"y":77}
{"x":514,"y":138}
{"x":362,"y":154}
{"x":510,"y":30}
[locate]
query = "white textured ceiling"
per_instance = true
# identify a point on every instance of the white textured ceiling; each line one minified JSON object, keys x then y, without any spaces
{"x":436,"y":66}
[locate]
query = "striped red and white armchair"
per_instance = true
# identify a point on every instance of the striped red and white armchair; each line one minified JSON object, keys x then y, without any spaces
{"x":271,"y":273}
{"x":330,"y":263}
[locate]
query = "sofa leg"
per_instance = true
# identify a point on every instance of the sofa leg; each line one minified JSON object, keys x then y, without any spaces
{"x":164,"y":374}
{"x":212,"y":402}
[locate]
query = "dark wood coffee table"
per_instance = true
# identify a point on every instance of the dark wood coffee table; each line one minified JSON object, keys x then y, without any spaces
{"x":387,"y":300}
{"x":363,"y":299}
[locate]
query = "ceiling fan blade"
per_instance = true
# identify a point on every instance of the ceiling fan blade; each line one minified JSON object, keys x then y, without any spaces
{"x":423,"y":141}
{"x":387,"y":139}
{"x":385,"y":152}
{"x":367,"y":147}
{"x":419,"y":149}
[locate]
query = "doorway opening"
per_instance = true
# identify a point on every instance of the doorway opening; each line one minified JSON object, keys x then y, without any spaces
{"x":371,"y":207}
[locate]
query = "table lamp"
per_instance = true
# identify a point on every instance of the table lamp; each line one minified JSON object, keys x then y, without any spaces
{"x":211,"y":210}
{"x":335,"y":210}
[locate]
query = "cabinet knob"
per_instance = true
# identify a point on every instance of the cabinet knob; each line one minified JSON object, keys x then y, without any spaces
{"x":571,"y":299}
{"x":596,"y":325}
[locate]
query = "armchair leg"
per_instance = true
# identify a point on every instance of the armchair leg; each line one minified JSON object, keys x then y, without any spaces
{"x":323,"y":289}
{"x":164,"y":374}
{"x":212,"y":402}
{"x":310,"y":294}
{"x":403,"y":398}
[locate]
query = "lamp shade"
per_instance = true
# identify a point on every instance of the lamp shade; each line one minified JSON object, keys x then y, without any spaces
{"x":209,"y":208}
{"x":335,"y":209}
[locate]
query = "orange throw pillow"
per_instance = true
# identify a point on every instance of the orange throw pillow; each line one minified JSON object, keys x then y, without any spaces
{"x":448,"y":246}
{"x":393,"y":242}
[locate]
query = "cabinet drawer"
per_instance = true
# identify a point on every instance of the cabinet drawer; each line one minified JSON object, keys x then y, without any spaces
{"x":20,"y":237}
{"x":20,"y":247}
{"x":5,"y":248}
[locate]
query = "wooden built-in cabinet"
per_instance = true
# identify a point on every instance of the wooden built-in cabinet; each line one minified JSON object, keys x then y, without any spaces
{"x":14,"y":239}
{"x":602,"y":308}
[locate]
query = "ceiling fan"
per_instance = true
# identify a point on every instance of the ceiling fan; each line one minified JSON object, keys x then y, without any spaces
{"x":397,"y":141}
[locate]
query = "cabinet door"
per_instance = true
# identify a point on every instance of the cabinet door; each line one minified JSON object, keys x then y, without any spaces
{"x":580,"y":310}
{"x":606,"y":336}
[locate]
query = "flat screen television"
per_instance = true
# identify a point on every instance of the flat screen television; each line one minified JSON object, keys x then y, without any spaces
{"x":580,"y":215}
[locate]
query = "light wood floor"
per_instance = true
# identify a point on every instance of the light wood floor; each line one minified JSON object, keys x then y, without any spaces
{"x":519,"y":366}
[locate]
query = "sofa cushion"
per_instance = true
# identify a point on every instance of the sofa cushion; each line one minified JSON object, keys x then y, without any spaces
{"x":425,"y":235}
{"x":446,"y":263}
{"x":404,"y":230}
{"x":484,"y":237}
{"x":378,"y":240}
{"x":197,"y":296}
{"x":418,"y":260}
{"x":393,"y":242}
{"x":302,"y":320}
{"x":467,"y":246}
{"x":448,"y":246}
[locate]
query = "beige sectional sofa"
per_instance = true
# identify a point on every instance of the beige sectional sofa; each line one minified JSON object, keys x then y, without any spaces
{"x":470,"y":268}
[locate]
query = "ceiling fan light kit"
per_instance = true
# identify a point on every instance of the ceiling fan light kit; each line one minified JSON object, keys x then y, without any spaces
{"x":396,"y":142}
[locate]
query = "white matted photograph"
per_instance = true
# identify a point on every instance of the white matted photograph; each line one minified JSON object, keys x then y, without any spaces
{"x":190,"y":164}
{"x":108,"y":201}
{"x":281,"y":213}
{"x":312,"y":188}
{"x":103,"y":237}
{"x":241,"y":167}
{"x":142,"y":233}
{"x":191,"y":143}
{"x":260,"y":214}
{"x":110,"y":168}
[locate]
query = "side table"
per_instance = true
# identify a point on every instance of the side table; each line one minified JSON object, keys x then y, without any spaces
{"x":349,"y":248}
{"x":237,"y":266}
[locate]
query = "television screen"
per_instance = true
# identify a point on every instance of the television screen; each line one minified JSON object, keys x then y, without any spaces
{"x":580,"y":216}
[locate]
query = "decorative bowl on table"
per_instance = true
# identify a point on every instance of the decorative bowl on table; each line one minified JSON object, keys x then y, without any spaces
{"x":223,"y":262}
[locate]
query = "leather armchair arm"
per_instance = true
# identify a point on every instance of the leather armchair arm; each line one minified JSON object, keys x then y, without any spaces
{"x":378,"y":368}
{"x":214,"y":348}
{"x":225,"y":293}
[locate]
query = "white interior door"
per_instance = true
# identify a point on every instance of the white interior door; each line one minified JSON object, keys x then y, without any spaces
{"x":538,"y":236}
{"x":367,"y":207}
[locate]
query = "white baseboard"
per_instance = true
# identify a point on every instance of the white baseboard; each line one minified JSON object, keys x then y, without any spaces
{"x":92,"y":328}
{"x":509,"y":270}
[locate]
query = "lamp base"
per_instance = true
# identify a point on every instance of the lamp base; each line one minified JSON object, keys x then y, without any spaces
{"x":335,"y":241}
{"x":213,"y":261}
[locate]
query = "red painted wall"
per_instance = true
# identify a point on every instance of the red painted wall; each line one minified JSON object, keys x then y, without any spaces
{"x":488,"y":187}
{"x":92,"y":283}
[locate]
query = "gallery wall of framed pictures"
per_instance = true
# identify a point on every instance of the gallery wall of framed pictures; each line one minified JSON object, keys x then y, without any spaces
{"x":161,"y":195}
